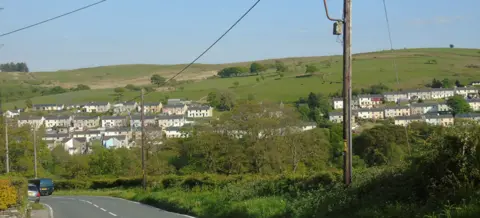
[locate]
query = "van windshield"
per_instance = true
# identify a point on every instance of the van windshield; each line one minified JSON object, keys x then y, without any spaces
{"x":46,"y":182}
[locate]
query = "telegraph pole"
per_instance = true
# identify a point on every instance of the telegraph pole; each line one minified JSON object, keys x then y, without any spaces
{"x":7,"y":159}
{"x":35,"y":149}
{"x":345,"y":25}
{"x":144,"y":181}
{"x":347,"y":89}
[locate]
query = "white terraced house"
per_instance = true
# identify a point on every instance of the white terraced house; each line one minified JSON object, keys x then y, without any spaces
{"x":465,"y":91}
{"x":48,"y":107}
{"x":397,"y":111}
{"x":369,"y":101}
{"x":136,"y":121}
{"x":33,"y":121}
{"x":86,"y":122}
{"x":441,"y":120}
{"x":424,"y":94}
{"x":405,"y":120}
{"x":424,"y":108}
{"x":395,"y":96}
{"x":369,"y":113}
{"x":114,"y":121}
{"x":474,"y":104}
{"x":200,"y":111}
{"x":97,"y":107}
{"x":442,"y":93}
{"x":58,"y":121}
{"x":171,"y":120}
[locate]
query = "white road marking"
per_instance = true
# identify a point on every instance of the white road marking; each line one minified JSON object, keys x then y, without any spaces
{"x":112,"y":214}
{"x":50,"y":209}
{"x":95,"y":205}
{"x":89,"y":202}
{"x":103,"y":209}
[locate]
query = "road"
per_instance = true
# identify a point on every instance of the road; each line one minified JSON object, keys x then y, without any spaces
{"x":101,"y":207}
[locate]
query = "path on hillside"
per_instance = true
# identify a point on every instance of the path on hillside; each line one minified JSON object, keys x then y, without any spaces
{"x":102,"y":207}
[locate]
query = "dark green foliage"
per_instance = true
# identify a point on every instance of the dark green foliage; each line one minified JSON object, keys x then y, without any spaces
{"x":132,"y":87}
{"x":280,"y":66}
{"x":257,"y":68}
{"x":157,"y":80}
{"x":458,"y":105}
{"x":311,"y":69}
{"x":14,"y":67}
{"x":233,"y":72}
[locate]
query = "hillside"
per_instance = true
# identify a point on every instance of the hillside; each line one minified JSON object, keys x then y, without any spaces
{"x":415,"y":69}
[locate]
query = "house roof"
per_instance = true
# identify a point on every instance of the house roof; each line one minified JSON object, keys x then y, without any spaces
{"x":59,"y":117}
{"x":171,"y":117}
{"x":150,"y":117}
{"x":442,"y":89}
{"x":87,"y":132}
{"x":413,"y":117}
{"x":113,"y":118}
{"x":173,"y":128}
{"x":85,"y":118}
{"x":199,"y":107}
{"x":80,"y":139}
{"x":152,"y":103}
{"x":120,"y":129}
{"x":396,"y":107}
{"x":468,"y":115}
{"x":46,"y":105}
{"x":473,"y":100}
{"x":424,"y":104}
{"x":395,"y":93}
{"x":54,"y":135}
{"x":29,"y":118}
{"x":174,"y":106}
{"x":97,"y":104}
{"x":368,"y":110}
{"x":118,"y":137}
{"x":370,"y":96}
{"x":440,"y":116}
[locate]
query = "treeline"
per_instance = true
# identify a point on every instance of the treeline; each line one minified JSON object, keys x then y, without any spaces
{"x":14,"y":67}
{"x":254,"y":69}
{"x":445,"y":83}
{"x":16,"y":92}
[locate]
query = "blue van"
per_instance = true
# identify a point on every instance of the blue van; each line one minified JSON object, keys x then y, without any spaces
{"x":44,"y":185}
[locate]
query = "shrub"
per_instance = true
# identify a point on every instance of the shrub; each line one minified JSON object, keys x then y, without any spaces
{"x":8,"y":194}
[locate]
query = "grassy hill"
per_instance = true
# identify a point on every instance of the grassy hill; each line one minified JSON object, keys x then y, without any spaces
{"x":416,"y":67}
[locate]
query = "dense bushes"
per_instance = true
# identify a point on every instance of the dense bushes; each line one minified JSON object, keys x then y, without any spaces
{"x":8,"y":194}
{"x":13,"y":191}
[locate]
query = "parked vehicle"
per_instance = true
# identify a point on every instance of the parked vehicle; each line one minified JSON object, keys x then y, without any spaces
{"x":33,"y":193}
{"x":44,"y":185}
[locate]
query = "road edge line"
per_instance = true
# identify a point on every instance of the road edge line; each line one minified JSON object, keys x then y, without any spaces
{"x":50,"y":209}
{"x":135,"y":202}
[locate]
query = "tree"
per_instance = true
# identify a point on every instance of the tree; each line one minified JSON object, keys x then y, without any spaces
{"x":236,"y":84}
{"x":258,"y":80}
{"x":446,"y":83}
{"x":28,"y":103}
{"x":452,"y":46}
{"x":81,"y":87}
{"x":132,"y":87}
{"x":221,"y":100}
{"x":436,"y":83}
{"x":458,"y":84}
{"x":251,"y":97}
{"x":257,"y":68}
{"x":119,"y":91}
{"x":14,"y":67}
{"x":233,"y":72}
{"x":280,"y":66}
{"x":459,"y":105}
{"x":157,"y":80}
{"x":311,"y":69}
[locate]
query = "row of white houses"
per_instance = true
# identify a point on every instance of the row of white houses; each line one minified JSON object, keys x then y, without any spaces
{"x":369,"y":101}
{"x":89,"y":122}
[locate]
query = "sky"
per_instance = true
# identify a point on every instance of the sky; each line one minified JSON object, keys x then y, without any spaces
{"x":176,"y":31}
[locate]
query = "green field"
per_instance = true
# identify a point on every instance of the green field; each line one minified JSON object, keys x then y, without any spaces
{"x":368,"y":69}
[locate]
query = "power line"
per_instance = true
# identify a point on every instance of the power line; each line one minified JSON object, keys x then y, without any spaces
{"x":206,"y":50}
{"x":390,"y":38}
{"x":51,"y":19}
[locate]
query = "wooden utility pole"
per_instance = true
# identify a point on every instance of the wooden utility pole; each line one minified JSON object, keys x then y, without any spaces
{"x":144,"y":181}
{"x":7,"y":159}
{"x":347,"y":89}
{"x":35,"y":149}
{"x":345,"y":26}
